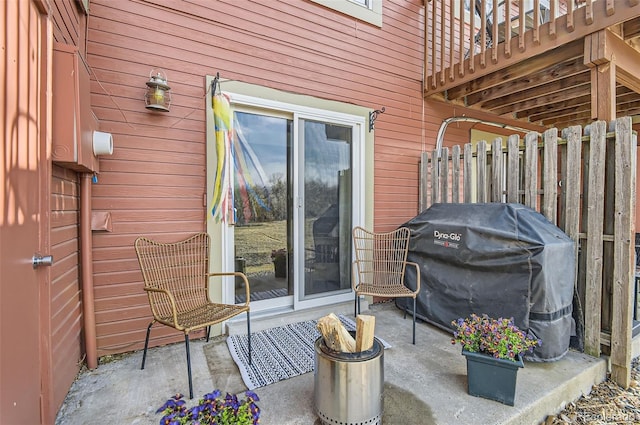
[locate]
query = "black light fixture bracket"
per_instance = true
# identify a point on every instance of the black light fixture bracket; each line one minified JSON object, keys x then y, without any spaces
{"x":372,"y":117}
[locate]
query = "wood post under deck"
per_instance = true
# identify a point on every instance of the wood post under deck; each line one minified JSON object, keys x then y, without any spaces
{"x":611,"y":61}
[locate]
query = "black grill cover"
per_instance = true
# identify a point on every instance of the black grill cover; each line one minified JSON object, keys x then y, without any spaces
{"x":505,"y":260}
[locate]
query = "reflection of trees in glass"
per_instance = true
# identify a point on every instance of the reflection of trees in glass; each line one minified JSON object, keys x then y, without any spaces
{"x":278,"y":197}
{"x":319,"y":196}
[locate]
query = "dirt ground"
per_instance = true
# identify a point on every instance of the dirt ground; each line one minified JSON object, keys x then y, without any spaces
{"x":607,"y":404}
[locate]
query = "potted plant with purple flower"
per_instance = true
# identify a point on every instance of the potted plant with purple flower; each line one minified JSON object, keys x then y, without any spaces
{"x":212,"y":409}
{"x":493,"y":349}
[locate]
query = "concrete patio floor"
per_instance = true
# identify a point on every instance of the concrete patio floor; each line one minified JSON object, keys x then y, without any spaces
{"x":425,"y":383}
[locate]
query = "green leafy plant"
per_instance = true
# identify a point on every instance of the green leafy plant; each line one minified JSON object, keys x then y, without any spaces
{"x":212,"y":409}
{"x":500,"y":338}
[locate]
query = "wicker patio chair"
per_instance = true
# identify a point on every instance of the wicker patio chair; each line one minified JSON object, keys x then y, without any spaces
{"x":380,"y":264}
{"x":176,"y":279}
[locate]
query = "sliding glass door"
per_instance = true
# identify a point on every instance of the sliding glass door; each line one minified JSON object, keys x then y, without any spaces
{"x":294,"y":206}
{"x":325,"y":216}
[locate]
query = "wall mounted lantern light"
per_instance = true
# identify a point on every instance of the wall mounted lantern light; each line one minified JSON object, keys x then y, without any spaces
{"x":157,"y":97}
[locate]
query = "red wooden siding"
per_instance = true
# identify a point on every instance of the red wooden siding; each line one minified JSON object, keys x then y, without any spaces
{"x":66,"y":309}
{"x":154,"y":183}
{"x":66,"y":344}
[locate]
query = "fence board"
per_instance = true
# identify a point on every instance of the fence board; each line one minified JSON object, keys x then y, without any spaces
{"x":531,"y":170}
{"x":572,"y":190}
{"x":481,"y":163}
{"x":444,"y":175}
{"x":550,"y":173}
{"x":455,"y":174}
{"x":624,"y":252}
{"x":577,"y":176}
{"x":513,"y":171}
{"x":572,"y":200}
{"x":468,"y":160}
{"x":435,"y":184}
{"x":595,"y":219}
{"x":424,"y":181}
{"x":496,"y":171}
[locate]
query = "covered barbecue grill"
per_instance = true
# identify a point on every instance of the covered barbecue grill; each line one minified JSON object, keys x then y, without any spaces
{"x":505,"y":260}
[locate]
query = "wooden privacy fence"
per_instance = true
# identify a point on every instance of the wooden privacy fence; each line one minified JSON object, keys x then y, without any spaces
{"x":585,"y":183}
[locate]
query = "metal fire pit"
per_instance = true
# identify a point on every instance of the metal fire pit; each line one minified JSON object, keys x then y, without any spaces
{"x":348,"y":387}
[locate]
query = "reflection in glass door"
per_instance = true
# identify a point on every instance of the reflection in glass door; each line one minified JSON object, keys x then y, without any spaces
{"x":262,"y":154}
{"x":327,"y":210}
{"x":293,"y":207}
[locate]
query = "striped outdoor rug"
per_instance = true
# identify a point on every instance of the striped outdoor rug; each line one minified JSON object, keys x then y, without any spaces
{"x":279,"y":353}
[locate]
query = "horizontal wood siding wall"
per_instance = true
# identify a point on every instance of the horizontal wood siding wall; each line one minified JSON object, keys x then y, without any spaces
{"x":154,"y":183}
{"x":66,"y":308}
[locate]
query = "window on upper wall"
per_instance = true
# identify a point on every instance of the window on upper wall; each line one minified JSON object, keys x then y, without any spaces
{"x":365,"y":3}
{"x":366,"y":10}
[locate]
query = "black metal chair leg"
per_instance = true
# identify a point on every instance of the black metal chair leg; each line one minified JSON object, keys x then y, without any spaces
{"x":357,"y":306}
{"x":249,"y":334}
{"x":146,"y":344}
{"x":186,"y":343}
{"x":208,"y":330}
{"x":414,"y":321}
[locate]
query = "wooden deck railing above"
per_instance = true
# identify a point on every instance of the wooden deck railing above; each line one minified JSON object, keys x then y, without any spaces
{"x":463,"y":43}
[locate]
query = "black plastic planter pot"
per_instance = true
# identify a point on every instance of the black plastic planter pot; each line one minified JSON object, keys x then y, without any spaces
{"x":492,"y":378}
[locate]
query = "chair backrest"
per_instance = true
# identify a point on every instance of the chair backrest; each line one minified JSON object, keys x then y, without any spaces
{"x":180,"y":268}
{"x":381,"y":257}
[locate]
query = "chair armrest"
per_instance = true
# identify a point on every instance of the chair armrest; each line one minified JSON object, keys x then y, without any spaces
{"x":172,"y":301}
{"x":236,"y":274}
{"x":410,"y":263}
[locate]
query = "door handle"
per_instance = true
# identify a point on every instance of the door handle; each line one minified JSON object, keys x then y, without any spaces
{"x":42,"y":260}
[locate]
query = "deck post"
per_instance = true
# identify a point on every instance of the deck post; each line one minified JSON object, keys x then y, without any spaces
{"x":603,"y":77}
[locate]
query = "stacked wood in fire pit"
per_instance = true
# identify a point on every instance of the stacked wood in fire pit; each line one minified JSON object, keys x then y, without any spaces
{"x":337,"y":338}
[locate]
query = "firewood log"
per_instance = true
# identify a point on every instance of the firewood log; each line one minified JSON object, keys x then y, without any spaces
{"x":365,"y":327}
{"x":336,"y":337}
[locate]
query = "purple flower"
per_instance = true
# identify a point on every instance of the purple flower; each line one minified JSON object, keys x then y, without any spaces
{"x":212,"y":409}
{"x":500,"y":338}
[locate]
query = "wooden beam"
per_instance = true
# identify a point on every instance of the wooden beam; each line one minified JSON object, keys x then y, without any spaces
{"x":626,"y":105}
{"x":557,"y":96}
{"x":569,"y":104}
{"x":520,"y":93}
{"x":583,"y":118}
{"x":631,"y":29}
{"x":584,"y":107}
{"x":523,"y":69}
{"x":605,"y":46}
{"x":568,"y":68}
{"x":625,"y":56}
{"x":630,"y":80}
